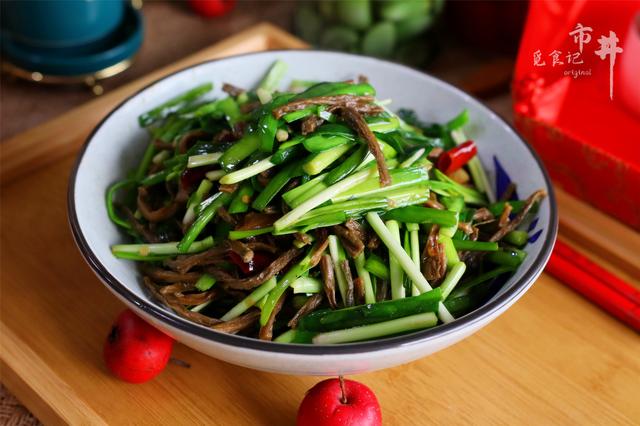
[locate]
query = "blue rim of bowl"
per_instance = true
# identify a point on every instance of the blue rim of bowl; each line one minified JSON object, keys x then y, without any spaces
{"x":243,"y":342}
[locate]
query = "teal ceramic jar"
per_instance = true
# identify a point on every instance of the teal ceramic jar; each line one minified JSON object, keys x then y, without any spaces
{"x":52,"y":24}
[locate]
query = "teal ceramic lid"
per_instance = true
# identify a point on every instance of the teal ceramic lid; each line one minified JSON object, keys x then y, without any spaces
{"x":117,"y":47}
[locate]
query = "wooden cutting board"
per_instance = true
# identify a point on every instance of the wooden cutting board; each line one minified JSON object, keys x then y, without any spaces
{"x":552,"y":358}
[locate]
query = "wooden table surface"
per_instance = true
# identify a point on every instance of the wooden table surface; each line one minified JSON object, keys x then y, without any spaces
{"x":553,"y":358}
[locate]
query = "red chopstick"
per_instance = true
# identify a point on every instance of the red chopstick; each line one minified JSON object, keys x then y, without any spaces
{"x":595,"y":283}
{"x":607,"y":278}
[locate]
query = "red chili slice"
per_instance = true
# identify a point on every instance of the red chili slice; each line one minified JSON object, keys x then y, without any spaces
{"x":455,"y":158}
{"x":260,"y":261}
{"x":192,"y":177}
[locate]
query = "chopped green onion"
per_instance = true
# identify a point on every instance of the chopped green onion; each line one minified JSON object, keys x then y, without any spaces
{"x":466,"y":245}
{"x":458,"y":121}
{"x":405,"y":261}
{"x":320,"y":161}
{"x":215,"y":175}
{"x":146,"y":250}
{"x":297,"y":195}
{"x":275,"y":185}
{"x":383,"y":126}
{"x":517,"y":238}
{"x":295,"y":336}
{"x":240,"y":150}
{"x":507,"y":257}
{"x":205,"y":282}
{"x":241,"y":199}
{"x":239,"y":235}
{"x":478,"y":174}
{"x":414,"y":235}
{"x":470,"y":195}
{"x":496,"y":209}
{"x":369,"y":294}
{"x":337,"y":256}
{"x":247,"y":172}
{"x":381,"y":329}
{"x":253,"y":298}
{"x":147,"y":157}
{"x":347,"y":166}
{"x":300,"y":114}
{"x":451,"y":280}
{"x":412,"y":159}
{"x":306,"y":285}
{"x":273,"y":77}
{"x":282,"y":285}
{"x":328,"y":319}
{"x":411,"y":177}
{"x":203,"y":159}
{"x":291,"y":217}
{"x":449,"y":249}
{"x":396,"y":275}
{"x":111,"y":193}
{"x":195,"y":199}
{"x":417,"y":214}
{"x":376,"y":266}
{"x":160,"y":157}
{"x":204,"y":217}
{"x":173,"y":104}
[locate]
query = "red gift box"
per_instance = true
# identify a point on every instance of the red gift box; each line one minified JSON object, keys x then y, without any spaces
{"x":576,"y":96}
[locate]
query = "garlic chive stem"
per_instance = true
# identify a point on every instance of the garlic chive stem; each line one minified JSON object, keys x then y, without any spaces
{"x":195,"y":199}
{"x":273,"y":77}
{"x":396,"y":274}
{"x":264,"y":96}
{"x":415,"y":246}
{"x":452,"y":279}
{"x":449,"y":250}
{"x":334,"y":251}
{"x":306,"y":285}
{"x":205,"y":282}
{"x":414,"y":234}
{"x":201,"y":306}
{"x":247,"y":172}
{"x":160,"y":248}
{"x":203,"y":160}
{"x":246,"y":303}
{"x":405,"y":261}
{"x":394,"y":247}
{"x":262,"y":302}
{"x":369,"y":295}
{"x":160,"y":157}
{"x":214,"y":175}
{"x":295,"y":214}
{"x":444,"y":315}
{"x":320,"y":161}
{"x":381,"y":329}
{"x":409,"y":161}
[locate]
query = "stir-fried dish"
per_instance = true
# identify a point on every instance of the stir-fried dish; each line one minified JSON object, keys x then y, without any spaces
{"x":314,"y":215}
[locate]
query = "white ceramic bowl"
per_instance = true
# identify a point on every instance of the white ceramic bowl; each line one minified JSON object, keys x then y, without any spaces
{"x":116,"y":144}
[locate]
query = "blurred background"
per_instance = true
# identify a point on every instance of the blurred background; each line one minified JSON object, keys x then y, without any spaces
{"x":447,"y":39}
